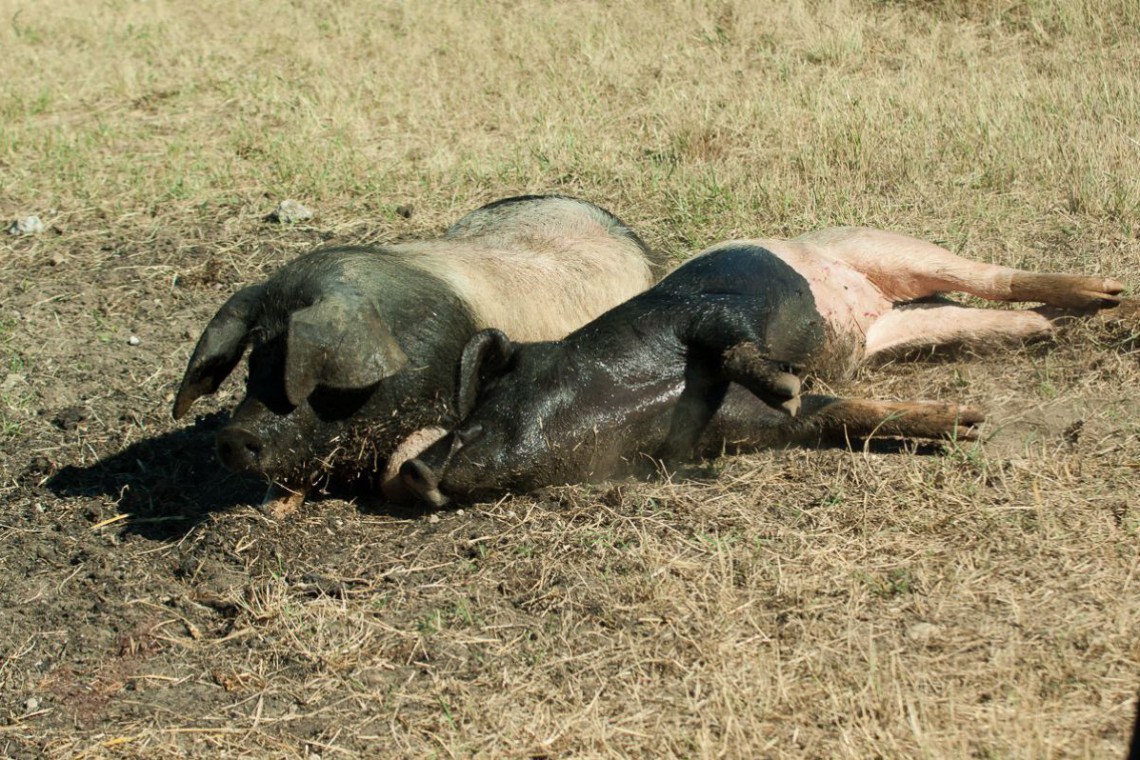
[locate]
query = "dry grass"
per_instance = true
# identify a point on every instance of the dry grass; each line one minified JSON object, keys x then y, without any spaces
{"x":981,"y":602}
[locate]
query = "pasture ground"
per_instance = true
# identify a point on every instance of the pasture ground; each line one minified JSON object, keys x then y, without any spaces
{"x":981,"y":601}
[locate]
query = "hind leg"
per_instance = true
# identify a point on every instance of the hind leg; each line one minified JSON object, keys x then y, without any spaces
{"x":905,"y":269}
{"x":831,"y":418}
{"x":920,"y":326}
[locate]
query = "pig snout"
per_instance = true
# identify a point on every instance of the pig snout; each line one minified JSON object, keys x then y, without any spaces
{"x":421,"y":480}
{"x":240,"y":450}
{"x":423,"y":474}
{"x":257,"y":441}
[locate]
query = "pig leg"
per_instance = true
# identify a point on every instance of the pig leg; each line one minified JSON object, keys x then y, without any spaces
{"x":825,"y":417}
{"x":701,"y":397}
{"x":723,"y":350}
{"x":904,"y":269}
{"x":770,"y":381}
{"x":707,"y":382}
{"x":918,"y":326}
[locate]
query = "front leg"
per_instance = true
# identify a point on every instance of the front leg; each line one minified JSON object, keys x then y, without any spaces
{"x":724,"y":344}
{"x":700,"y":399}
{"x":840,"y":419}
{"x":707,"y":378}
{"x":771,"y":381}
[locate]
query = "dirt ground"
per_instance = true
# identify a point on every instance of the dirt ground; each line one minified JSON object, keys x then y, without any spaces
{"x":150,"y":610}
{"x":965,"y":601}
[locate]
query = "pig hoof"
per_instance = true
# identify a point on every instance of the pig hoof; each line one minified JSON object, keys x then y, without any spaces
{"x":1071,"y":291}
{"x":280,"y":502}
{"x":966,"y":423}
{"x":1095,"y":300}
{"x":787,"y":384}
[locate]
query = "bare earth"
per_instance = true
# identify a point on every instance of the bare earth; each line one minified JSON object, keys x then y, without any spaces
{"x":967,"y":601}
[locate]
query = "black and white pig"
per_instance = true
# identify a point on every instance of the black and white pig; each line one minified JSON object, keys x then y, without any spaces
{"x":712,"y":357}
{"x":352,"y":348}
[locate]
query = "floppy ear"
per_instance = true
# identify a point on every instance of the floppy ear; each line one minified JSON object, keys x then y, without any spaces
{"x":340,"y":341}
{"x":219,"y":349}
{"x":486,"y":355}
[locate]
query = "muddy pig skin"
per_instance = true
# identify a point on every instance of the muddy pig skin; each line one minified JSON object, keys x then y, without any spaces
{"x":711,"y":359}
{"x":353,"y":348}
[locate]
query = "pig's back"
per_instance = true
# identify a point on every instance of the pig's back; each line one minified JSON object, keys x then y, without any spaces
{"x":537,"y":268}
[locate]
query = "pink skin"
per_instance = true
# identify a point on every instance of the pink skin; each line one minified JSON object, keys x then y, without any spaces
{"x":863,"y":281}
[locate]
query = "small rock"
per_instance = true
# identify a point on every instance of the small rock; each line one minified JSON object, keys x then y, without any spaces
{"x":31,"y":704}
{"x":460,"y":512}
{"x":290,"y":212}
{"x":923,"y":633}
{"x":404,"y":211}
{"x":433,"y":519}
{"x":134,"y":340}
{"x":11,"y":381}
{"x":29,"y":225}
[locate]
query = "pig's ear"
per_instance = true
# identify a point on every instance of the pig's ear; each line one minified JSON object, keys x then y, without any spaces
{"x":340,"y":341}
{"x":219,"y":349}
{"x":486,"y":355}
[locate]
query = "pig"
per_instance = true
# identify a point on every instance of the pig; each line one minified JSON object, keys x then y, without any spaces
{"x":714,"y":358}
{"x":351,"y":349}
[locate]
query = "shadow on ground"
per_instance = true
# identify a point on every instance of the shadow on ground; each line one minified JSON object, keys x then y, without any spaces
{"x":168,"y":484}
{"x":165,"y":484}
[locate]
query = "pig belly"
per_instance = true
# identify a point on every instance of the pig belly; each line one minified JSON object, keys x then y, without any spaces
{"x":846,"y":300}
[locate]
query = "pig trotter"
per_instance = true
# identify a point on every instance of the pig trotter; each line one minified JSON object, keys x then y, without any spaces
{"x":1068,"y":291}
{"x":773,"y":382}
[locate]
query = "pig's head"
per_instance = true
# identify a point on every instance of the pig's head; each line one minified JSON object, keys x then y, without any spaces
{"x":317,"y":353}
{"x":509,"y":397}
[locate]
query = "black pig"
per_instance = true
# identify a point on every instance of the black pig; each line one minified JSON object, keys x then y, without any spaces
{"x":712,"y":357}
{"x":352,"y":349}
